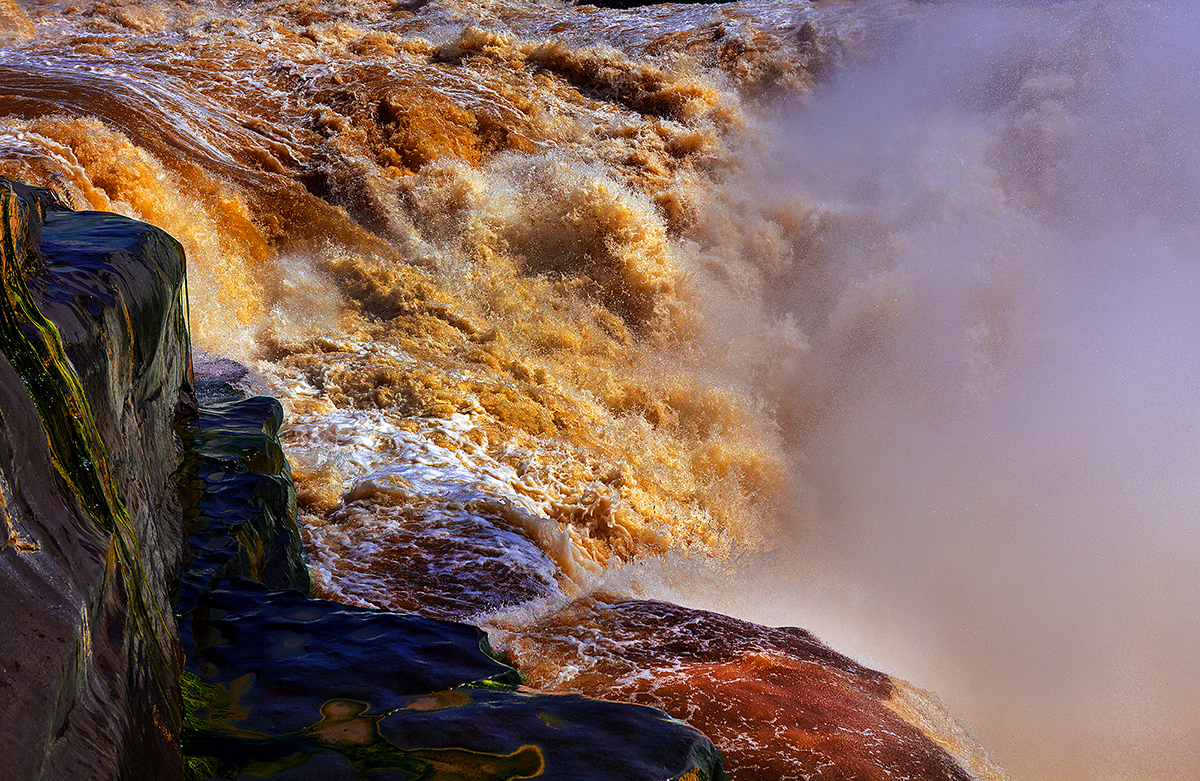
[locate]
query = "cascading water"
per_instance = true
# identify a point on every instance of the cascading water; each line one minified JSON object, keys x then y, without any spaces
{"x":867,"y":317}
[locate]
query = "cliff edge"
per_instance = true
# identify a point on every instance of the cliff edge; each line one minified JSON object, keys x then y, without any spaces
{"x":95,"y":367}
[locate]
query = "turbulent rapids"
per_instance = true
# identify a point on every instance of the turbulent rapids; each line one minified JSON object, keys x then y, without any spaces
{"x":554,"y":321}
{"x":482,"y":239}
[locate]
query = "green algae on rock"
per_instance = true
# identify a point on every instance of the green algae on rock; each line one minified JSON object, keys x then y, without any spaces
{"x":93,"y":328}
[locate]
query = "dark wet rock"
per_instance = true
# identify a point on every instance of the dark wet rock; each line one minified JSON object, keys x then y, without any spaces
{"x":94,"y":336}
{"x":298,"y":650}
{"x":239,"y":499}
{"x":304,"y":688}
{"x":294,"y":687}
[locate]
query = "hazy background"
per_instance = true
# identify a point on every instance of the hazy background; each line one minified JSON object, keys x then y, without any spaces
{"x":1005,"y":471}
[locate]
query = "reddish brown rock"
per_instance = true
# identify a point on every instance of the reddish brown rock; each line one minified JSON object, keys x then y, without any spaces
{"x":777,"y":702}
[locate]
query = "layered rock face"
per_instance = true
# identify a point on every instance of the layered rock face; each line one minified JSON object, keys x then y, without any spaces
{"x":95,"y":368}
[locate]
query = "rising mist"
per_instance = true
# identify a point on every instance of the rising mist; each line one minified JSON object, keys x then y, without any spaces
{"x":962,"y":284}
{"x":1001,"y":415}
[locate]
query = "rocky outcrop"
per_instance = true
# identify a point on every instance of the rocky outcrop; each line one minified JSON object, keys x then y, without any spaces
{"x":239,"y":499}
{"x":100,"y":436}
{"x":93,"y":329}
{"x":286,"y":686}
{"x":776,"y":700}
{"x":297,"y":688}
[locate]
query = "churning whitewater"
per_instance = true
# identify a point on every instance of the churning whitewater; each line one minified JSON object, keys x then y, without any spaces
{"x":868,"y":317}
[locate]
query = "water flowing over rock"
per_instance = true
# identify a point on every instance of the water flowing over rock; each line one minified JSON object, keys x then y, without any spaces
{"x":304,"y":688}
{"x":94,"y":548}
{"x":779,"y":702}
{"x":284,"y":685}
{"x":279,"y":683}
{"x":869,"y":317}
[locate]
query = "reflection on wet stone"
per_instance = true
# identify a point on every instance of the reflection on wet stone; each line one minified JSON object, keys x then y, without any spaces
{"x":285,"y":685}
{"x":402,"y":693}
{"x":349,"y":730}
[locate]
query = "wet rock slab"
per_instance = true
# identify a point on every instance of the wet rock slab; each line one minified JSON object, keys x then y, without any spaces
{"x":303,"y":650}
{"x":777,"y":701}
{"x":297,"y":687}
{"x":239,"y":501}
{"x":285,"y":685}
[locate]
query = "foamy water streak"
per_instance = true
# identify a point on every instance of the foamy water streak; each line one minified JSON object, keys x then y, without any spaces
{"x":441,"y":466}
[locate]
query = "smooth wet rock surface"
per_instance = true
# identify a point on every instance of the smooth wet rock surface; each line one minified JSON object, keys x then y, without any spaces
{"x":289,"y":686}
{"x":777,"y":701}
{"x":298,"y":650}
{"x":239,"y":501}
{"x":304,"y":688}
{"x":96,"y":355}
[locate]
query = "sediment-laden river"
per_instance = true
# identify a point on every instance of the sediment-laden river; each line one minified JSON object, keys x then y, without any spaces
{"x":876,"y":318}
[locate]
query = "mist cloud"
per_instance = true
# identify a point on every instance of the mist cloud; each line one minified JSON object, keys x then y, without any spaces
{"x":1006,"y":477}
